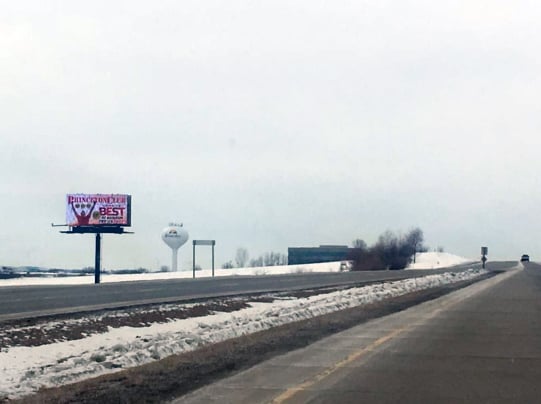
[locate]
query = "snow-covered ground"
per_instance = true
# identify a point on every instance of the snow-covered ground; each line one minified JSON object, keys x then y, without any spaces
{"x":25,"y":369}
{"x":424,"y":261}
{"x":205,"y":273}
{"x":433,"y":260}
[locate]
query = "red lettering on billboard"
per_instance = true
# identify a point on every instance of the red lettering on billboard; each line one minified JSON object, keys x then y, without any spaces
{"x":98,"y":209}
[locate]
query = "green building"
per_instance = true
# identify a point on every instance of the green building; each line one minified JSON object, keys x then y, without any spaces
{"x":313,"y":255}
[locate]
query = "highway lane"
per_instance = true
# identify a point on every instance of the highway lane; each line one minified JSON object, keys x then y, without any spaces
{"x":481,"y":344}
{"x":31,"y":301}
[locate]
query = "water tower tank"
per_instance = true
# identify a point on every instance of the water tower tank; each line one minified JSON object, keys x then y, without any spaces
{"x":174,"y":236}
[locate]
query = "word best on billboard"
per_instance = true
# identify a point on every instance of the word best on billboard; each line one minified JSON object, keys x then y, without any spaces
{"x":98,"y":210}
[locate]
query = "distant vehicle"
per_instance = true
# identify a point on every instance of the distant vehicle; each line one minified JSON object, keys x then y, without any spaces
{"x":525,"y":257}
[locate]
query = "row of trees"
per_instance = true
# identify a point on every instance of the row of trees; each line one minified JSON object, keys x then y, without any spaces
{"x":242,"y":260}
{"x":391,"y":251}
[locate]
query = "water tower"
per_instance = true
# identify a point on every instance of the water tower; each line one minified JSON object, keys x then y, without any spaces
{"x":174,"y":236}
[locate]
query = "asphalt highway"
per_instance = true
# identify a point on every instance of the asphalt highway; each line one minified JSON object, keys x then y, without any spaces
{"x":480,"y":344}
{"x":33,"y":301}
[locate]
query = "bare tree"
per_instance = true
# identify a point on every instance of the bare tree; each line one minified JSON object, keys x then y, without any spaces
{"x":391,"y":251}
{"x":269,"y":259}
{"x":274,"y":258}
{"x":415,"y":240}
{"x":227,"y":265}
{"x":241,"y":258}
{"x":360,"y":243}
{"x":256,"y":262}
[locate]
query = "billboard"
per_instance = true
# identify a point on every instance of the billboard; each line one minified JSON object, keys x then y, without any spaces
{"x":98,"y":210}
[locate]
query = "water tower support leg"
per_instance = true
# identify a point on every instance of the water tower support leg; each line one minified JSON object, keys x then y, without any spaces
{"x":174,"y":264}
{"x":97,"y":261}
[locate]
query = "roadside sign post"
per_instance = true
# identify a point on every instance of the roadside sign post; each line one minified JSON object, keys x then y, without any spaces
{"x":484,"y":253}
{"x":203,"y":242}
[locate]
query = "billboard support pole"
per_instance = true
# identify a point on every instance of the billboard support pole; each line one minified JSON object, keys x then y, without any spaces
{"x":97,"y":262}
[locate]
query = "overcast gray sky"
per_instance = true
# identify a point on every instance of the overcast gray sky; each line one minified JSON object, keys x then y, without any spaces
{"x":267,"y":124}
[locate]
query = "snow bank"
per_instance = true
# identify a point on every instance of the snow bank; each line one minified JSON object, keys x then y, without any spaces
{"x":25,"y":369}
{"x":433,"y":260}
{"x":205,"y":273}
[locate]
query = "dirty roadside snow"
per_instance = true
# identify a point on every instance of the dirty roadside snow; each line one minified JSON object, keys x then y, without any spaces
{"x":26,"y":369}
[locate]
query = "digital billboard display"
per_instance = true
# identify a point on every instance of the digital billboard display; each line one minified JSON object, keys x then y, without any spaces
{"x":98,"y":210}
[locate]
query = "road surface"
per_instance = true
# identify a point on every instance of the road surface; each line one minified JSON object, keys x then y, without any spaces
{"x":31,"y":301}
{"x":481,"y":344}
